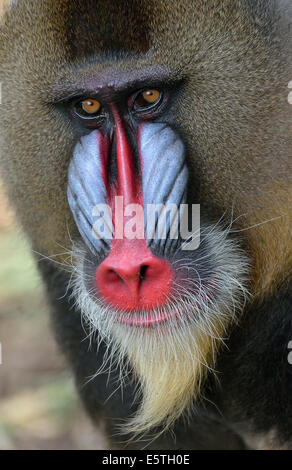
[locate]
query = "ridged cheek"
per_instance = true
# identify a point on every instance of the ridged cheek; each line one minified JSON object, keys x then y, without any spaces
{"x":164,"y":171}
{"x":88,"y":185}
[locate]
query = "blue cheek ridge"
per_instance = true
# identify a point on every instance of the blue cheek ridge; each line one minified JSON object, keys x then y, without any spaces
{"x":164,"y":174}
{"x":86,"y":189}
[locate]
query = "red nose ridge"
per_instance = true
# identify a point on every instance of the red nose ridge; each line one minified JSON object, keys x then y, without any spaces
{"x":132,"y":278}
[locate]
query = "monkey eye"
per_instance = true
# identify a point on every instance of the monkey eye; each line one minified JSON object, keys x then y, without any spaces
{"x":146,"y":100}
{"x":88,"y":108}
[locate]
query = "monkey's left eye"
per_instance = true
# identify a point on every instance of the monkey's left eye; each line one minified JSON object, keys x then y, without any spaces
{"x":147,"y":100}
{"x":88,"y":109}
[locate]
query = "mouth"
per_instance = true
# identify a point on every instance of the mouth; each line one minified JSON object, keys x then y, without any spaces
{"x":145,"y":318}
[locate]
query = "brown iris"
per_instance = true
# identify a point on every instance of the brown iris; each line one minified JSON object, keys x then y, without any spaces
{"x":90,"y":106}
{"x":151,"y":96}
{"x":88,"y":109}
{"x":147,"y":99}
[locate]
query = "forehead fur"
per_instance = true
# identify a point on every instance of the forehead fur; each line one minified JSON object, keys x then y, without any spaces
{"x":175,"y":32}
{"x":107,"y":25}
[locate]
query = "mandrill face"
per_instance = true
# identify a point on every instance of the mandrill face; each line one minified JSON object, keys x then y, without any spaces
{"x":159,"y":299}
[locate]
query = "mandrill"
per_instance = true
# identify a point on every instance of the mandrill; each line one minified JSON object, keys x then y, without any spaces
{"x":152,"y":142}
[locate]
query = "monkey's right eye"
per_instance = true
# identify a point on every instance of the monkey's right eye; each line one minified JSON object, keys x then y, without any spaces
{"x":88,"y":108}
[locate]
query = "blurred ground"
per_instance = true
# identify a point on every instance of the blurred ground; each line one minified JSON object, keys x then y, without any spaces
{"x":39,"y":408}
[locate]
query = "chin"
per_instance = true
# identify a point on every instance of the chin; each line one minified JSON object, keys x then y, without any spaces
{"x":179,"y":332}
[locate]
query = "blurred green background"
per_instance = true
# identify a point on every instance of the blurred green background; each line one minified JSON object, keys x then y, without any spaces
{"x":39,"y":408}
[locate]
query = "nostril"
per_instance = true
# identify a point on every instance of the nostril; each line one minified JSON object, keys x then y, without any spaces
{"x":114,"y":275}
{"x":126,"y":274}
{"x":143,"y":271}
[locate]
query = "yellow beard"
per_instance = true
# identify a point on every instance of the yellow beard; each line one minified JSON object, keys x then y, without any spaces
{"x":170,"y":367}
